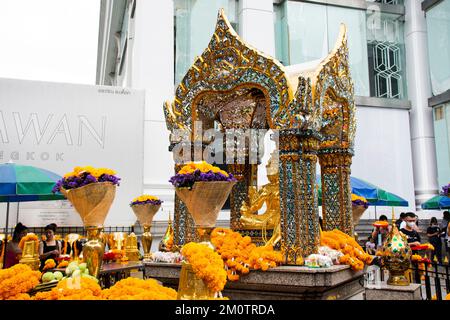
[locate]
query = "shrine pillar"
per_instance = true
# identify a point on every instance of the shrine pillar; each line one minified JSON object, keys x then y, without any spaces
{"x":298,"y":195}
{"x":336,"y":190}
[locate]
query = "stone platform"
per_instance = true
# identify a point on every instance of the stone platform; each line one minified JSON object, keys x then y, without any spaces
{"x":284,"y":282}
{"x":383,"y":291}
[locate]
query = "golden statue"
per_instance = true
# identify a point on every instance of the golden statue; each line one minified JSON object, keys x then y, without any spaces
{"x":270,"y":195}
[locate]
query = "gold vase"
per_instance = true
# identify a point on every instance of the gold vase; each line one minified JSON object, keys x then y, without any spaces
{"x":93,"y":250}
{"x":204,"y":202}
{"x":30,"y":255}
{"x":190,"y":286}
{"x":146,"y":241}
{"x":357,"y":212}
{"x":145,"y":214}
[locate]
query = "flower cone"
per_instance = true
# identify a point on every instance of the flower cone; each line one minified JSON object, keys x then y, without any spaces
{"x":357,"y":212}
{"x":145,"y":212}
{"x":205,"y":200}
{"x":92,"y":201}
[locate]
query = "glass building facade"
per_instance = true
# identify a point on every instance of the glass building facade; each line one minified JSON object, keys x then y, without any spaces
{"x":306,"y":32}
{"x":438,"y":19}
{"x":194,"y":22}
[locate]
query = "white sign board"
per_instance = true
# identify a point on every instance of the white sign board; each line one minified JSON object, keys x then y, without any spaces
{"x":57,"y":126}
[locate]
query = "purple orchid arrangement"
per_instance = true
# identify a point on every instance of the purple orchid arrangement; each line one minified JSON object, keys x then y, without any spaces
{"x":446,"y":190}
{"x":83,"y":176}
{"x":194,"y":172}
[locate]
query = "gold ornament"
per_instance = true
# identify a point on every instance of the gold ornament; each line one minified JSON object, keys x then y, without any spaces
{"x":396,"y":256}
{"x":145,"y":214}
{"x":30,"y":254}
{"x":131,"y":249}
{"x":166,"y":244}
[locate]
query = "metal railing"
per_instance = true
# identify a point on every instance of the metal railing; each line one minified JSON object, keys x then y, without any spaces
{"x":63,"y":231}
{"x":432,"y":276}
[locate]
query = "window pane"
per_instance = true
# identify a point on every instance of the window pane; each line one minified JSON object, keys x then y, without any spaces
{"x":355,"y":20}
{"x":438,"y":25}
{"x":307,"y":27}
{"x":386,"y":53}
{"x":195,"y":21}
{"x":312,"y":30}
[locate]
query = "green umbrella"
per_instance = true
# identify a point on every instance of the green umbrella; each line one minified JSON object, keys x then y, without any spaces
{"x":437,"y":203}
{"x":375,"y":195}
{"x":20,"y":183}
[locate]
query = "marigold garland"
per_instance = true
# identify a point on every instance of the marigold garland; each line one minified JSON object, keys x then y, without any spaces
{"x":49,"y":264}
{"x":354,"y":255}
{"x":138,"y":289}
{"x":16,"y":281}
{"x":79,"y":288}
{"x":29,"y":237}
{"x":63,"y":264}
{"x":240,"y":254}
{"x":206,"y":264}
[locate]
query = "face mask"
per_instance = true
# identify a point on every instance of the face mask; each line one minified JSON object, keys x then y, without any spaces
{"x":411,"y":224}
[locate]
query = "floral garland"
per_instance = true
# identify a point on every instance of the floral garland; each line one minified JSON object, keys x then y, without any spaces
{"x":145,"y":198}
{"x":206,"y":264}
{"x":29,"y":237}
{"x":62,"y":264}
{"x":49,"y":264}
{"x":359,"y":201}
{"x":82,"y":176}
{"x":199,"y":171}
{"x":353,"y":254}
{"x":79,"y":288}
{"x":16,"y":281}
{"x":240,"y":254}
{"x":138,"y":289}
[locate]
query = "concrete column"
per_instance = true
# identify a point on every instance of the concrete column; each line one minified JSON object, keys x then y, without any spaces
{"x":152,"y":69}
{"x":419,"y":90}
{"x":256,"y":24}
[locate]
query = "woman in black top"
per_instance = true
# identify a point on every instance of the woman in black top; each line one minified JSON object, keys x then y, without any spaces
{"x":433,"y":233}
{"x":50,"y":248}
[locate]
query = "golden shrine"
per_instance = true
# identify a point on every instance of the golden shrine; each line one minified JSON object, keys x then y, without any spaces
{"x":233,"y":86}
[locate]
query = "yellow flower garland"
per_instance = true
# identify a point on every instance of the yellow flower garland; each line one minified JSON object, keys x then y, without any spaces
{"x":206,"y":264}
{"x":16,"y":281}
{"x":240,"y":254}
{"x":138,"y":289}
{"x":73,"y":289}
{"x":49,"y":264}
{"x":354,"y":255}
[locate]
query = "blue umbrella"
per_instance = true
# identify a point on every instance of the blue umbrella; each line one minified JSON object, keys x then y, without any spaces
{"x":437,"y":203}
{"x":374,"y":195}
{"x":20,"y":183}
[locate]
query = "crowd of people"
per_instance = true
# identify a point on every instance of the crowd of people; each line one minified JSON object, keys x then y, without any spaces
{"x":408,"y":224}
